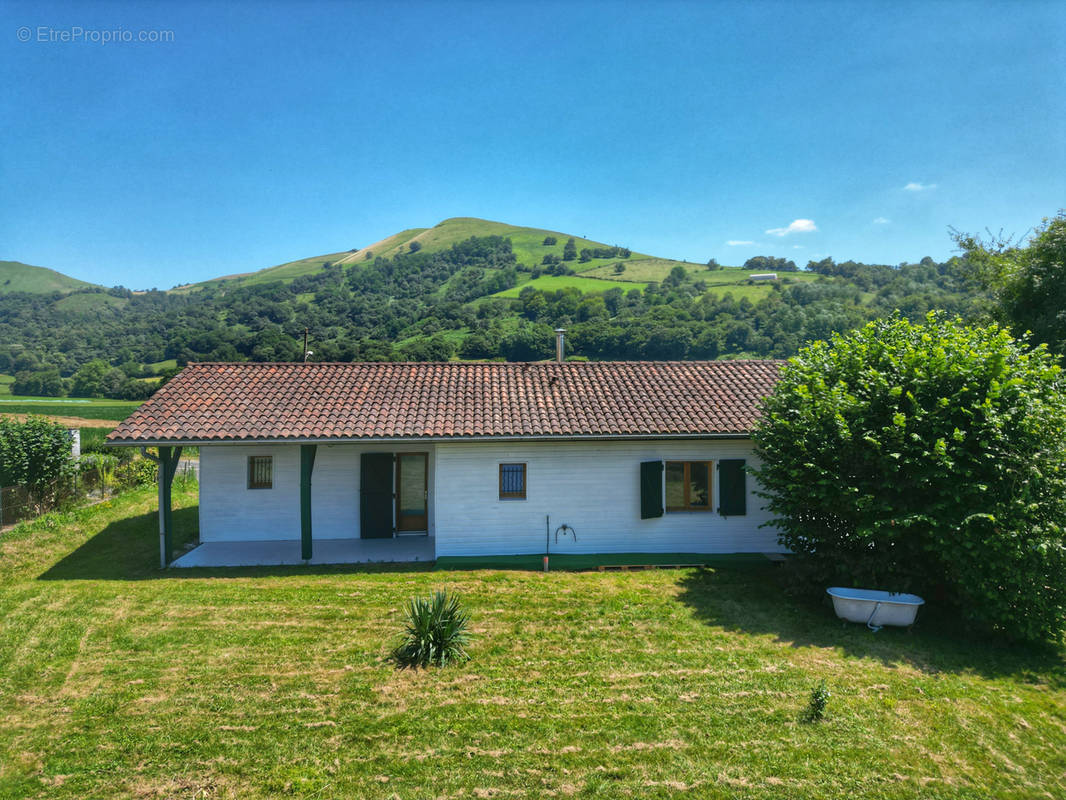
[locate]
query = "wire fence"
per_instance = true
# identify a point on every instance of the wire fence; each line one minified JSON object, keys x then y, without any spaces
{"x":94,"y":480}
{"x":18,"y":503}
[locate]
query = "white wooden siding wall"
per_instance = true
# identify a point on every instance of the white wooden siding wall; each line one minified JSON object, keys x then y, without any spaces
{"x":592,"y":486}
{"x":230,"y":511}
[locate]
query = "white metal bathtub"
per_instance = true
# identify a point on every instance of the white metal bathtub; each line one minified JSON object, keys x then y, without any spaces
{"x":875,"y":608}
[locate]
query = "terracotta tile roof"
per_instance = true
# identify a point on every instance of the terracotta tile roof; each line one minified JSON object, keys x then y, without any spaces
{"x":226,"y":402}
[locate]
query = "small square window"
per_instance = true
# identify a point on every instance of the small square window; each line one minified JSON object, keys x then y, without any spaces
{"x":260,"y":472}
{"x":512,"y":481}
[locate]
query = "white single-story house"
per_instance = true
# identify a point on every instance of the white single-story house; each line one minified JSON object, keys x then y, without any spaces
{"x":348,"y":462}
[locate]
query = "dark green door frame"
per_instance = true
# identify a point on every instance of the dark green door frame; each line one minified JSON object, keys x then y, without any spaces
{"x":307,"y":467}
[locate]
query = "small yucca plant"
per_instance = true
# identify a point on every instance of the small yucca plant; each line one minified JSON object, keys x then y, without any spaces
{"x":816,"y":706}
{"x":435,"y":632}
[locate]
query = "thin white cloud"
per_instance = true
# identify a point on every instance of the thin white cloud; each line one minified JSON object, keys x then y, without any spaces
{"x":882,"y":221}
{"x":796,"y":226}
{"x":738,"y":242}
{"x":914,"y":186}
{"x":797,"y":247}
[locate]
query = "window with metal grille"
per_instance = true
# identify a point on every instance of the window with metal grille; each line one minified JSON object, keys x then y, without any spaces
{"x":512,"y":481}
{"x":260,"y":472}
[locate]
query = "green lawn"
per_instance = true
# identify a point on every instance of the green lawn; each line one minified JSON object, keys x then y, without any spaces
{"x":117,"y":680}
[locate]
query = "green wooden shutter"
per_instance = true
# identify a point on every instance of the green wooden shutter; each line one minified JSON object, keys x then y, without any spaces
{"x":375,"y":495}
{"x":651,"y":489}
{"x":732,"y":487}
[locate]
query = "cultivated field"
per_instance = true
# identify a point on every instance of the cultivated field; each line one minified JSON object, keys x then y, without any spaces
{"x":117,"y":680}
{"x":73,"y":411}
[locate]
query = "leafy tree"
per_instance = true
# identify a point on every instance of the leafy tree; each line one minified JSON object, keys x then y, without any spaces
{"x":770,"y":264}
{"x":570,"y":250}
{"x":528,"y":343}
{"x":713,"y":264}
{"x":548,"y":241}
{"x":676,"y":277}
{"x":415,"y":246}
{"x":478,"y":346}
{"x":43,"y":383}
{"x":89,"y":379}
{"x":1028,"y":282}
{"x":926,"y":457}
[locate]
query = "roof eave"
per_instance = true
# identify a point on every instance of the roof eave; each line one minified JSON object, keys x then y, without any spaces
{"x":416,"y":439}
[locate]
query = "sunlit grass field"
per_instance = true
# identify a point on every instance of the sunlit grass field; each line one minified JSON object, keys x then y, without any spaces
{"x":119,"y":680}
{"x":68,"y":407}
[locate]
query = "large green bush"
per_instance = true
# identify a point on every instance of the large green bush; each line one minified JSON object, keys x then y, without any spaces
{"x":929,"y":458}
{"x":35,"y":454}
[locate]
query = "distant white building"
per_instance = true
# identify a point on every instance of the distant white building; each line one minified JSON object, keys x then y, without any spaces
{"x":764,"y":276}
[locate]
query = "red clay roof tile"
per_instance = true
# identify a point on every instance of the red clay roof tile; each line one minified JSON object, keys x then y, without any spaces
{"x":226,"y":402}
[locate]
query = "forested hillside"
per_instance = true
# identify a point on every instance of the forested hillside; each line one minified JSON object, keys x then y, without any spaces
{"x":474,"y":299}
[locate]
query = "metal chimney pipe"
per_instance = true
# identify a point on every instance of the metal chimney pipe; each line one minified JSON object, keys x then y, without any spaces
{"x":559,"y":345}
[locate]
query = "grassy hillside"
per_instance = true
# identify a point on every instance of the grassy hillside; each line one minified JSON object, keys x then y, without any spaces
{"x":121,"y":680}
{"x":18,"y":277}
{"x":281,"y":272}
{"x":527,"y":244}
{"x":90,"y":303}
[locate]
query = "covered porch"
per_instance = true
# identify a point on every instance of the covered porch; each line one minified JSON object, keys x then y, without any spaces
{"x":257,"y":506}
{"x":401,"y":549}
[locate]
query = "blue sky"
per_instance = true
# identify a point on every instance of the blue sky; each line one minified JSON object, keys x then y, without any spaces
{"x":266,"y":132}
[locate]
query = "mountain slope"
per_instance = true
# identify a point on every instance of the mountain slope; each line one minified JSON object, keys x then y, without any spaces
{"x":527,"y":244}
{"x":18,"y":277}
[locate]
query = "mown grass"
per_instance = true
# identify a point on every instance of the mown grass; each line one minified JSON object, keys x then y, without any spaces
{"x":118,"y":680}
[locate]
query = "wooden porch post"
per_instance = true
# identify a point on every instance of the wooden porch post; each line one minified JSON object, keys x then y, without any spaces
{"x":307,"y":467}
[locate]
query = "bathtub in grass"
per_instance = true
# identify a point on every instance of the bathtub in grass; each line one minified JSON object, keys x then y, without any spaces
{"x":875,"y":608}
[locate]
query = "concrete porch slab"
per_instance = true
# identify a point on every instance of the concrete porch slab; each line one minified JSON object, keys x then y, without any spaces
{"x":272,"y":553}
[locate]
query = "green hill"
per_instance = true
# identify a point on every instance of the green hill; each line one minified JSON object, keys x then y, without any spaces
{"x":18,"y":277}
{"x":282,"y":272}
{"x":527,"y":244}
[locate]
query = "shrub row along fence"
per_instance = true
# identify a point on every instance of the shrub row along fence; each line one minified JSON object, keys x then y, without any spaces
{"x":97,"y":477}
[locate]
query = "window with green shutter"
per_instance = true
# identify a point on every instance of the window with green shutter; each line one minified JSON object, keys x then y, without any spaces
{"x":651,"y":489}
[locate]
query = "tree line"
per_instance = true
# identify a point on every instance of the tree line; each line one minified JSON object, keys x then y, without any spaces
{"x":438,"y":306}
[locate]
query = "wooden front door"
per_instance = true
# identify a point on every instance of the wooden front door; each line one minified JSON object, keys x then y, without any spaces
{"x":412,"y":491}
